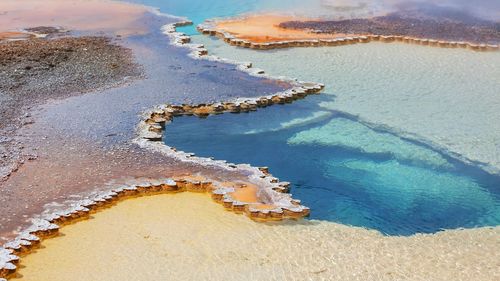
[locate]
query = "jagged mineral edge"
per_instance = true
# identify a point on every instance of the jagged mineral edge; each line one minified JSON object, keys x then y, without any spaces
{"x":150,"y":132}
{"x":209,"y":28}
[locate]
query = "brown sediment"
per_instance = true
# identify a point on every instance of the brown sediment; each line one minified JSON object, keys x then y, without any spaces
{"x":264,"y":32}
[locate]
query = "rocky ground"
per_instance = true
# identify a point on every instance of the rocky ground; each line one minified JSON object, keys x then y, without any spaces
{"x":36,"y":70}
{"x":449,"y":28}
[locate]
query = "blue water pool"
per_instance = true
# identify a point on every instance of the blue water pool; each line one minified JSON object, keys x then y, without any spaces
{"x":375,"y":149}
{"x":347,"y":172}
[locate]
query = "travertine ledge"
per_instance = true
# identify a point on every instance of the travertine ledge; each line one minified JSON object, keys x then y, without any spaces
{"x":151,"y":129}
{"x":209,"y":27}
{"x":268,"y":190}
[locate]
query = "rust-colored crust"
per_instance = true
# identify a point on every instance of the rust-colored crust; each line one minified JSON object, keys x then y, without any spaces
{"x":263,"y":42}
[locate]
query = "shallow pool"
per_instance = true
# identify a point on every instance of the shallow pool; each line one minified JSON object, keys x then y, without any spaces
{"x":347,"y":172}
{"x":404,"y":138}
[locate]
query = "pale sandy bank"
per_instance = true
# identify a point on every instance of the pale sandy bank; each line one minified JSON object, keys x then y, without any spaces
{"x":188,"y":237}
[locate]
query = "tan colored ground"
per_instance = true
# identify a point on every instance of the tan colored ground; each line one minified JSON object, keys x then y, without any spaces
{"x":89,"y":15}
{"x":188,"y":237}
{"x":264,"y":28}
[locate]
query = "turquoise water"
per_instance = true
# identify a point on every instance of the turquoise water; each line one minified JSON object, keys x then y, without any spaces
{"x":405,"y":139}
{"x":347,"y":172}
{"x":446,"y":98}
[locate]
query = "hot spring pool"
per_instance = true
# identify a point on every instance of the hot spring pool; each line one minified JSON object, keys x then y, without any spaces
{"x":380,"y":147}
{"x":427,"y":104}
{"x":347,"y":172}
